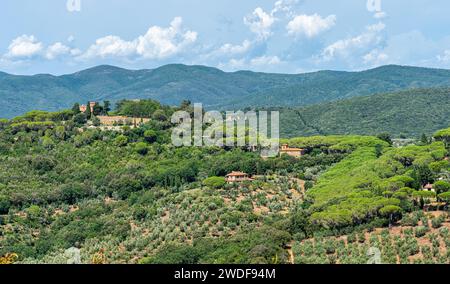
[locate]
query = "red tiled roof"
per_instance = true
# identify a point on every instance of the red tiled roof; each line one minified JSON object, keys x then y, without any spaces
{"x":286,"y":148}
{"x":292,"y":150}
{"x":236,"y":174}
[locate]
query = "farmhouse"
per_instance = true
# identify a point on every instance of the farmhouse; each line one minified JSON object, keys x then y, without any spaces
{"x":121,"y":120}
{"x":235,"y":177}
{"x":293,"y":152}
{"x":429,"y":187}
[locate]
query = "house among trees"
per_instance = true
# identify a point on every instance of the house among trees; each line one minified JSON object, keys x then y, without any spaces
{"x":83,"y":108}
{"x":429,"y":187}
{"x":293,"y":152}
{"x":121,"y":120}
{"x":235,"y":177}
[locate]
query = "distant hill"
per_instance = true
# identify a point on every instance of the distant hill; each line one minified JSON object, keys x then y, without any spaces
{"x":171,"y":84}
{"x":410,"y":113}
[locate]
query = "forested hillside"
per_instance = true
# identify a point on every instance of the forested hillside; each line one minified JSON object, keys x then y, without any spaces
{"x":407,"y":113}
{"x":128,"y":196}
{"x":214,"y":88}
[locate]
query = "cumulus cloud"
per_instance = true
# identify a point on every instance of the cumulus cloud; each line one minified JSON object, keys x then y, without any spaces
{"x":445,"y":57}
{"x":58,"y":49}
{"x":265,"y":60}
{"x":156,"y":43}
{"x":25,"y":46}
{"x":310,"y":25}
{"x":110,"y":46}
{"x":260,"y":23}
{"x":361,"y":43}
{"x":375,"y":57}
{"x":230,"y":49}
{"x":252,"y":51}
{"x":285,"y":6}
{"x":160,"y":42}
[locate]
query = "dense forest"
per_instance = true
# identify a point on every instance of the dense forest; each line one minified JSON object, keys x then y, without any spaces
{"x":407,"y":114}
{"x":128,"y":196}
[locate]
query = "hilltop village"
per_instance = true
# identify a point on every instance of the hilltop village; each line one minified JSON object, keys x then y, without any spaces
{"x":100,"y":116}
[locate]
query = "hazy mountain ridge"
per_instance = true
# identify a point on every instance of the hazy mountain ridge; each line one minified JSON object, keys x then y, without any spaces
{"x":171,"y":84}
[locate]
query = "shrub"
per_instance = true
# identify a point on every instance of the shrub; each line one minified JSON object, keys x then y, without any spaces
{"x":437,"y":222}
{"x":140,"y":213}
{"x":96,"y":121}
{"x":150,"y":136}
{"x":424,"y":221}
{"x":410,"y":220}
{"x":141,"y":148}
{"x":361,"y":237}
{"x":80,"y":119}
{"x":421,"y":231}
{"x":309,"y":185}
{"x":330,"y":247}
{"x":5,"y":205}
{"x":445,"y":196}
{"x":444,"y":233}
{"x":173,"y":254}
{"x":121,"y":141}
{"x":214,"y":182}
{"x":351,"y":238}
{"x":442,"y":186}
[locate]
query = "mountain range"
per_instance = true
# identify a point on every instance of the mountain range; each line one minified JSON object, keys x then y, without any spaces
{"x":214,"y":88}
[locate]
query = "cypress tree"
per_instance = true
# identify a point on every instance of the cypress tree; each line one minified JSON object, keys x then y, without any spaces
{"x":76,"y":108}
{"x":106,"y":107}
{"x":88,"y":111}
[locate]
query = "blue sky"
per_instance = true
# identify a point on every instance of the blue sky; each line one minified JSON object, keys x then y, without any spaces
{"x":285,"y":36}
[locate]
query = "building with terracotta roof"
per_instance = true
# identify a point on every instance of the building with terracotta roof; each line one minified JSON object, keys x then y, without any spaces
{"x":121,"y":120}
{"x":235,"y":177}
{"x":83,"y":108}
{"x":429,"y":187}
{"x":293,"y":152}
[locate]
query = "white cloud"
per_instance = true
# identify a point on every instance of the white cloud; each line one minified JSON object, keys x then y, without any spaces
{"x":260,"y":23}
{"x":58,"y":49}
{"x":251,"y":51}
{"x":24,"y":46}
{"x":284,"y":6}
{"x":346,"y":47}
{"x":310,"y":25}
{"x":375,"y":57}
{"x":157,"y":43}
{"x":230,"y":49}
{"x":265,"y":60}
{"x":445,"y":57}
{"x":160,"y":43}
{"x":110,"y":46}
{"x":27,"y":47}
